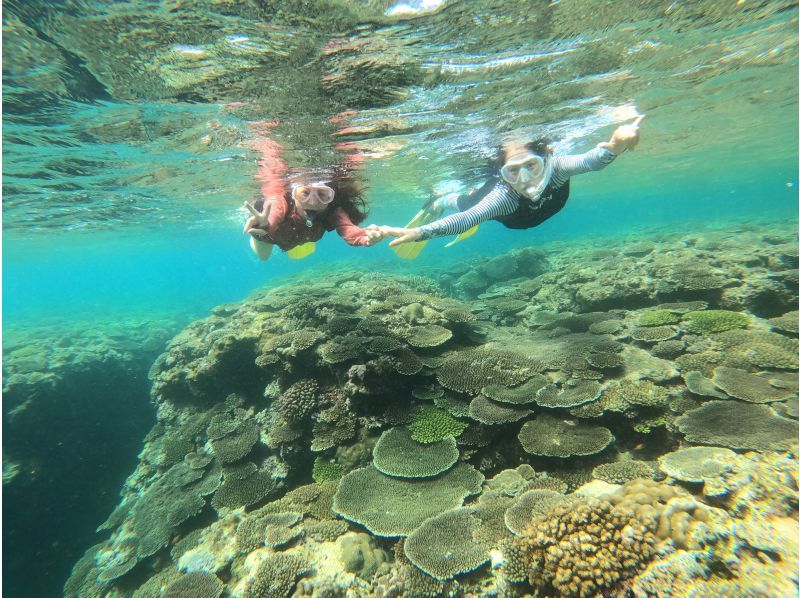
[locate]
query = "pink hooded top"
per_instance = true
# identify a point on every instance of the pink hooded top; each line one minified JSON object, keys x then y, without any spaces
{"x":286,"y":227}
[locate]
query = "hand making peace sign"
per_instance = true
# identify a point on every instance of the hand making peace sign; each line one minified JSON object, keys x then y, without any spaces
{"x":258,"y":222}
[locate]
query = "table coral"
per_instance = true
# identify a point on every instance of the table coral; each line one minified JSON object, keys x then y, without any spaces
{"x":490,"y":412}
{"x":550,"y":436}
{"x":518,"y":395}
{"x":739,"y":426}
{"x":694,"y":464}
{"x":389,"y":506}
{"x":747,"y":387}
{"x":397,"y":454}
{"x":619,"y":472}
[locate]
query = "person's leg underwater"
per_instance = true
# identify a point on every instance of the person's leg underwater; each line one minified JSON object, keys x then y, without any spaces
{"x":444,"y":204}
{"x":261,"y":249}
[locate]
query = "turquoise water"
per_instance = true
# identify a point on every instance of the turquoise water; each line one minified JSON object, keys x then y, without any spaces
{"x":196,"y":271}
{"x":128,"y":131}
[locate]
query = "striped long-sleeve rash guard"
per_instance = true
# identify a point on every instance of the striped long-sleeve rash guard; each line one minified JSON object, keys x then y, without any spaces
{"x":503,"y":200}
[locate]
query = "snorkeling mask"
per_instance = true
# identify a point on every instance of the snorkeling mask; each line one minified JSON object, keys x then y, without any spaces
{"x":311,"y":198}
{"x":527,"y":173}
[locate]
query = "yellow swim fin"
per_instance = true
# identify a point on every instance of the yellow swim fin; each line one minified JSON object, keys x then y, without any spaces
{"x":301,"y":251}
{"x":422,"y":217}
{"x":410,"y":251}
{"x":465,"y":235}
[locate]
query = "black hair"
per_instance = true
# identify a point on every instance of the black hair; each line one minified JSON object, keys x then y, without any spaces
{"x":348,"y":195}
{"x":540,"y":147}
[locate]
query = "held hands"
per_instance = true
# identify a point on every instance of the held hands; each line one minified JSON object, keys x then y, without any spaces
{"x":257,"y":223}
{"x":374,"y":234}
{"x":625,"y":137}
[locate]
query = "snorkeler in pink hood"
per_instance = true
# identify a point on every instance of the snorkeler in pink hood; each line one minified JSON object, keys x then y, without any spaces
{"x":301,"y":212}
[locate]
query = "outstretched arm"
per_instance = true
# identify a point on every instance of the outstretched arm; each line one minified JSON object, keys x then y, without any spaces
{"x":352,"y":233}
{"x":498,"y":202}
{"x":624,"y":137}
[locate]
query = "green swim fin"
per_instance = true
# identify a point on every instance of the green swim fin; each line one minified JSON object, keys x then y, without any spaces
{"x":301,"y":251}
{"x":465,"y":235}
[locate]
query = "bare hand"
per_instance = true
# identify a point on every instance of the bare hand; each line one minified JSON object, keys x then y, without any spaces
{"x":258,"y":222}
{"x":626,"y":136}
{"x":404,"y":235}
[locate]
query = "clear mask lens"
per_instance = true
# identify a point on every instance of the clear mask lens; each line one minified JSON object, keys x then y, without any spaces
{"x":313,"y":197}
{"x":523,"y":169}
{"x":529,"y":175}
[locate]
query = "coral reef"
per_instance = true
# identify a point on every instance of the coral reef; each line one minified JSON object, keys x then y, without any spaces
{"x":429,"y":424}
{"x":548,"y":436}
{"x":397,"y":454}
{"x":738,"y":426}
{"x":390,"y":506}
{"x":694,"y":464}
{"x":469,"y":447}
{"x":714,"y":320}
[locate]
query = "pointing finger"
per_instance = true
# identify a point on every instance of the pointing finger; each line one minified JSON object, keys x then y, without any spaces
{"x":638,"y":120}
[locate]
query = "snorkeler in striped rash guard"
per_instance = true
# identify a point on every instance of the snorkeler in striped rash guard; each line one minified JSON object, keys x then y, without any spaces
{"x":531,"y":187}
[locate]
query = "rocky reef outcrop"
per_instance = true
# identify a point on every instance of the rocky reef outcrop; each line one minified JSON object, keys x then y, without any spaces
{"x":584,"y":421}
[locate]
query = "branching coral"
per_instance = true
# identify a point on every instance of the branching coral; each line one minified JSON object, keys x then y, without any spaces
{"x":276,"y":576}
{"x":587,"y":546}
{"x":714,"y":320}
{"x":324,"y":470}
{"x":299,"y":400}
{"x":431,"y":424}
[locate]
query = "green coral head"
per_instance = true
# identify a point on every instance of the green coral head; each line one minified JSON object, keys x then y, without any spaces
{"x":324,"y":470}
{"x":657,"y":317}
{"x":714,"y":320}
{"x":431,"y":424}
